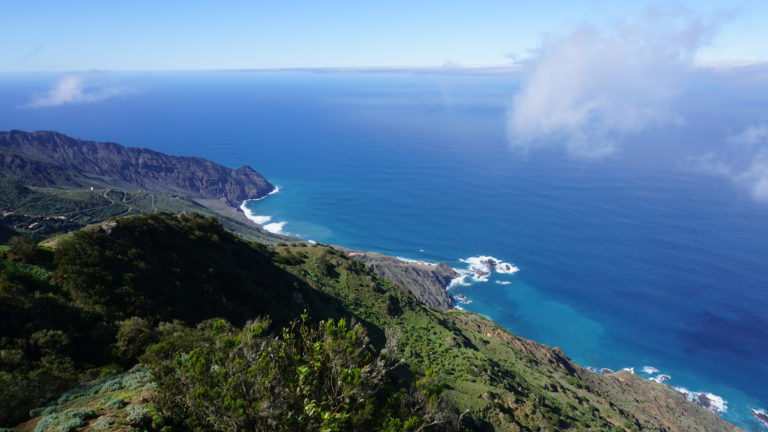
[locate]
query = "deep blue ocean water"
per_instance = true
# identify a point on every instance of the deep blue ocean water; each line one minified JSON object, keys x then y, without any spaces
{"x":632,"y":260}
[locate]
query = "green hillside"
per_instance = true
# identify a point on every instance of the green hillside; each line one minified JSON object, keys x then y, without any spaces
{"x":45,"y":211}
{"x":230,"y":335}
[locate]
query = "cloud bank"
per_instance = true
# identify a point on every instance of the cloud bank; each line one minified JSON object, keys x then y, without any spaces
{"x":587,"y":89}
{"x":745,"y":162}
{"x":79,"y":88}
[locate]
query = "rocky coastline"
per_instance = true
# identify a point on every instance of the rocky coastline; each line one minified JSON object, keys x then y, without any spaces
{"x":427,"y":281}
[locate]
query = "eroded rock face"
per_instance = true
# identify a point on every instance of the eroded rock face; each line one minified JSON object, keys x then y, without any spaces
{"x":427,"y":281}
{"x":142,"y":168}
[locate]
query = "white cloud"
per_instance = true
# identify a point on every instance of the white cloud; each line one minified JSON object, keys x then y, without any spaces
{"x":79,"y":88}
{"x":756,"y":176}
{"x":746,"y":164}
{"x":587,"y":89}
{"x":751,"y":136}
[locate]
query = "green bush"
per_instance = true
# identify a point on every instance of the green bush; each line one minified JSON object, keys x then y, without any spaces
{"x":115,"y":403}
{"x":103,"y":423}
{"x":22,"y":249}
{"x":324,"y":378}
{"x":133,"y":336}
{"x":64,"y":421}
{"x":138,"y":414}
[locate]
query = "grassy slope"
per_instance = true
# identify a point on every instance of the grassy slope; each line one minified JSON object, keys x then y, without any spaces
{"x":117,"y":402}
{"x":48,"y":211}
{"x":506,"y":382}
{"x":512,"y":383}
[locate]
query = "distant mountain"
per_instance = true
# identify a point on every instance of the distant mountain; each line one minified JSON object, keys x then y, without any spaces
{"x":51,"y":183}
{"x":51,"y":159}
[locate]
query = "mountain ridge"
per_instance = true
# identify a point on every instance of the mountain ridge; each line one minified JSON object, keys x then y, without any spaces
{"x":139,"y":167}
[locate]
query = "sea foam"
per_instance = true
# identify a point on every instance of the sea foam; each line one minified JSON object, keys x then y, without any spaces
{"x":480,"y":267}
{"x":650,"y":370}
{"x":413,"y":261}
{"x":460,"y":280}
{"x":661,"y":379}
{"x":710,"y":401}
{"x":275,"y":227}
{"x":274,"y":191}
{"x":263,"y":220}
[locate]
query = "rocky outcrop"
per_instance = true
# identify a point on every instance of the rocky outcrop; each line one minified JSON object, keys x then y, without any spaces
{"x":427,"y":281}
{"x":760,"y":416}
{"x":652,"y":406}
{"x":656,"y":406}
{"x":196,"y":178}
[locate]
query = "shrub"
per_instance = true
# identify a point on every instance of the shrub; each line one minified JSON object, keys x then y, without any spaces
{"x":22,"y":249}
{"x":133,"y":336}
{"x":137,"y":414}
{"x":103,"y":423}
{"x":64,"y":421}
{"x":324,"y":378}
{"x":115,"y":403}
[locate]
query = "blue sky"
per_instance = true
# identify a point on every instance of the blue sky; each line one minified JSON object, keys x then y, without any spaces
{"x":38,"y":35}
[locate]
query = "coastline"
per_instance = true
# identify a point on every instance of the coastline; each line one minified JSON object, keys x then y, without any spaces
{"x":263,"y":221}
{"x":480,"y":269}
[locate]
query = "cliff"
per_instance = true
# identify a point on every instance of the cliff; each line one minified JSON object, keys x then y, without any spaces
{"x":426,"y":281}
{"x":47,"y":158}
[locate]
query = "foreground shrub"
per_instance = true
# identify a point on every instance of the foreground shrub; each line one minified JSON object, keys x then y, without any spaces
{"x":324,"y":378}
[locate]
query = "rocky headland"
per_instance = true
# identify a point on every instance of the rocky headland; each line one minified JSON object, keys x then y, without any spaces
{"x":52,"y":159}
{"x":427,"y":281}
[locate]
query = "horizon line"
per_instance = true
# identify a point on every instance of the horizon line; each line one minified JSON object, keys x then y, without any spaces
{"x":515,"y":67}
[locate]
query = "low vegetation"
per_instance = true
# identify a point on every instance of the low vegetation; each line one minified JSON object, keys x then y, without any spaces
{"x":41,"y":212}
{"x":166,"y":322}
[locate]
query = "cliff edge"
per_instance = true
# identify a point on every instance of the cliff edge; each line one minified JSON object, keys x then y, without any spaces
{"x":46,"y":158}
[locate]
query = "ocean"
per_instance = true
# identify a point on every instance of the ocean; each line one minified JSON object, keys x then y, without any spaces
{"x":636,"y":259}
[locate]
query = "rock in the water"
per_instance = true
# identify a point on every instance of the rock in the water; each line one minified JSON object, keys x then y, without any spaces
{"x":709,"y":401}
{"x":761,"y":416}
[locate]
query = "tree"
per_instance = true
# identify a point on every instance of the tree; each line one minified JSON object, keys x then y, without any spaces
{"x":22,"y":249}
{"x":134,"y":335}
{"x":325,"y":378}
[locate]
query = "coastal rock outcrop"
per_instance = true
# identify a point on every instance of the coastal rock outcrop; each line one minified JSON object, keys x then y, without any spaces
{"x":656,"y":404}
{"x":761,"y":416}
{"x":46,"y":158}
{"x":427,"y":281}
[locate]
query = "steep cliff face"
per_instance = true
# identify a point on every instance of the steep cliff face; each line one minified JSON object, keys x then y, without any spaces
{"x":37,"y":156}
{"x":426,"y":281}
{"x":33,"y":172}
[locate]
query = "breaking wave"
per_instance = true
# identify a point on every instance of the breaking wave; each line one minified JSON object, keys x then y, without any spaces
{"x":479,"y":268}
{"x":710,"y":401}
{"x":263,"y":220}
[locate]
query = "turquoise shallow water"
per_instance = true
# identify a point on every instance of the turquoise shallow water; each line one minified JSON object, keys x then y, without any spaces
{"x":629,"y":261}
